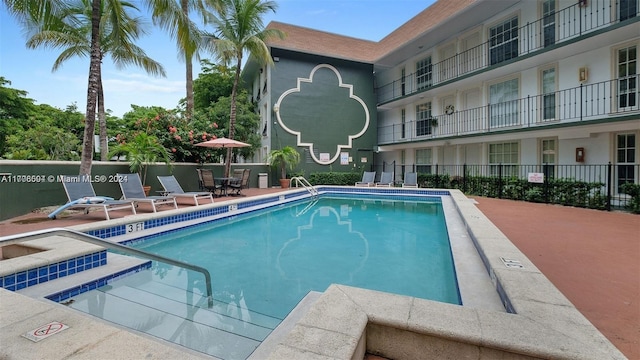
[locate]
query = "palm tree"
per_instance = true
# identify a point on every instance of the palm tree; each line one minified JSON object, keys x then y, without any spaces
{"x":175,"y":19}
{"x":50,"y":14}
{"x":239,"y":28}
{"x":118,"y":31}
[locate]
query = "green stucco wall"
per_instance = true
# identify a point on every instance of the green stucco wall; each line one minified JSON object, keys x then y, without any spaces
{"x":323,"y":110}
{"x":28,"y":185}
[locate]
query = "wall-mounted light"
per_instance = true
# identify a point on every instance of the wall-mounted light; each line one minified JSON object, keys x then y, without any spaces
{"x":276,"y":108}
{"x":276,"y":59}
{"x":583,"y":74}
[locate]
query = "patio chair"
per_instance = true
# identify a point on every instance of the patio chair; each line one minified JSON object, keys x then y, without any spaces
{"x":200,"y":186}
{"x":132,"y":189}
{"x":172,"y":187}
{"x":81,"y":195}
{"x":386,"y":179}
{"x":237,"y":186}
{"x":410,"y":180}
{"x":209,"y":182}
{"x":368,"y":179}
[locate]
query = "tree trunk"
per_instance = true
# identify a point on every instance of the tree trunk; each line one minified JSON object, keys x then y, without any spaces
{"x":188,"y":59}
{"x":232,"y":116}
{"x":102,"y":121}
{"x":92,"y":91}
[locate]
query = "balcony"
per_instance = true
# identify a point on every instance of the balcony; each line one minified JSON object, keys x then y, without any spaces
{"x":593,"y":102}
{"x":559,"y":27}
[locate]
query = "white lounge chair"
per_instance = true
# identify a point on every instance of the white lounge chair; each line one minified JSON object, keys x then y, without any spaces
{"x":172,"y":187}
{"x":368,"y":179}
{"x":132,"y":189}
{"x":81,"y":195}
{"x":410,"y":180}
{"x":386,"y":179}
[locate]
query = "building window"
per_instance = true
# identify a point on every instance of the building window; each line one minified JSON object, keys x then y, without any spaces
{"x":423,"y":161}
{"x":625,"y":159}
{"x":549,"y":94}
{"x":423,"y":119}
{"x":549,"y":22}
{"x":505,"y":155}
{"x":403,"y":122}
{"x":403,"y":75}
{"x":503,"y":41}
{"x":548,"y":157}
{"x":627,"y":77}
{"x":424,"y":75}
{"x":505,"y":107}
{"x":627,"y":9}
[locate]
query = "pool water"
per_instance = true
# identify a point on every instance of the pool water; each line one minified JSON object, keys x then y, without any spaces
{"x":276,"y":258}
{"x":264,"y":262}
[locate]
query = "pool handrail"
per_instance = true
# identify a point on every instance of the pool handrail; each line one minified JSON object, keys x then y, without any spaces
{"x":300,"y":180}
{"x":77,"y":235}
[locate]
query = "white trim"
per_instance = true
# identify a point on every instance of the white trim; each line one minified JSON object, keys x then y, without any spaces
{"x":277,"y":106}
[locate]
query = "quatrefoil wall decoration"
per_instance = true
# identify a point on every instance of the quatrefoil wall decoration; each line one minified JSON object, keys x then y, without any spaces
{"x":336,"y":122}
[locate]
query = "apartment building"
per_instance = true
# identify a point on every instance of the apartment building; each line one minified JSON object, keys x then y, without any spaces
{"x":464,"y":82}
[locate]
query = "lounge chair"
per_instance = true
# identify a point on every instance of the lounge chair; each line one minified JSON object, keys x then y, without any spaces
{"x":368,"y":179}
{"x":81,"y":195}
{"x":209,"y":182}
{"x":173,"y":188}
{"x":410,"y":180}
{"x":237,"y":186}
{"x":132,"y":189}
{"x":386,"y":179}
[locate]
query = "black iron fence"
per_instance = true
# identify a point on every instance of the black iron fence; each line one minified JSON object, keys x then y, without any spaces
{"x":555,"y":27}
{"x":589,"y":186}
{"x":583,"y":103}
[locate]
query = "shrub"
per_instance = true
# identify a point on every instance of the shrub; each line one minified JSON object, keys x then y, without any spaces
{"x":633,"y":190}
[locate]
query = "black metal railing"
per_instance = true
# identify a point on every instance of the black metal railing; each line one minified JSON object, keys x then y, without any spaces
{"x":590,"y":186}
{"x":560,"y":26}
{"x":579,"y":104}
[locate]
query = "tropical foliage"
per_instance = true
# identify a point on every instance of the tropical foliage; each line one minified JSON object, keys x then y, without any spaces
{"x":285,"y":158}
{"x":239,"y":29}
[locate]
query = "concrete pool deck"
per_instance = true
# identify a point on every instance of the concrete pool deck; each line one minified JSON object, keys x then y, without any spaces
{"x":542,"y":231}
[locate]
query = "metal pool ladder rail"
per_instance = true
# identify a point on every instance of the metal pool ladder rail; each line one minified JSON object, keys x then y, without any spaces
{"x":77,"y":235}
{"x":300,"y":180}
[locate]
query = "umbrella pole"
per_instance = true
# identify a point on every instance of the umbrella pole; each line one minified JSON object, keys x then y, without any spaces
{"x":227,"y":165}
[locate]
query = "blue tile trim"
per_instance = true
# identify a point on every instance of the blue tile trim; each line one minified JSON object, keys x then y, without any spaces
{"x":49,"y":272}
{"x":92,"y":285}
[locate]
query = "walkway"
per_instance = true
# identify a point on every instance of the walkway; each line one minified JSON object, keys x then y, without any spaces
{"x":592,"y":257}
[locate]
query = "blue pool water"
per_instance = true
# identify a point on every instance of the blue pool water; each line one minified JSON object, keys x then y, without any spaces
{"x":273,"y":259}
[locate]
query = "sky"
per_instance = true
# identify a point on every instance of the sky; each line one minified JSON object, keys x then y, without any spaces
{"x":31,"y":70}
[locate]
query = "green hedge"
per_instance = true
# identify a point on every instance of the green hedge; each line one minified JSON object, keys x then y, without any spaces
{"x":633,"y":190}
{"x":568,"y":192}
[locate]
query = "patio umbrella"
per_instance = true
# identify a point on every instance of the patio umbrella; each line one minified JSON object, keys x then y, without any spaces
{"x":224,"y":143}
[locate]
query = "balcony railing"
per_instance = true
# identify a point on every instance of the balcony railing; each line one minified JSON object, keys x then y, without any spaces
{"x":561,"y":26}
{"x":584,"y":103}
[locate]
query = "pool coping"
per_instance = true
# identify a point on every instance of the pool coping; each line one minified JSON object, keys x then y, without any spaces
{"x":345,"y":322}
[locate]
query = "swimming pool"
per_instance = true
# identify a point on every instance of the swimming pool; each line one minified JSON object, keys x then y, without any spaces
{"x":263,"y":263}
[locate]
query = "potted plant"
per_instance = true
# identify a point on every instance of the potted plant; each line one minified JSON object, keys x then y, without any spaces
{"x":287,"y":157}
{"x":141,"y":151}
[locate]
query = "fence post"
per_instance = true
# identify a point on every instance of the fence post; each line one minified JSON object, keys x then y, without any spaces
{"x":500,"y":181}
{"x":464,"y":178}
{"x":546,"y":182}
{"x":609,"y":185}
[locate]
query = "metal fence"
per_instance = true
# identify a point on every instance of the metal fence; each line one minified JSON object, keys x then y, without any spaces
{"x":562,"y":25}
{"x":590,"y":186}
